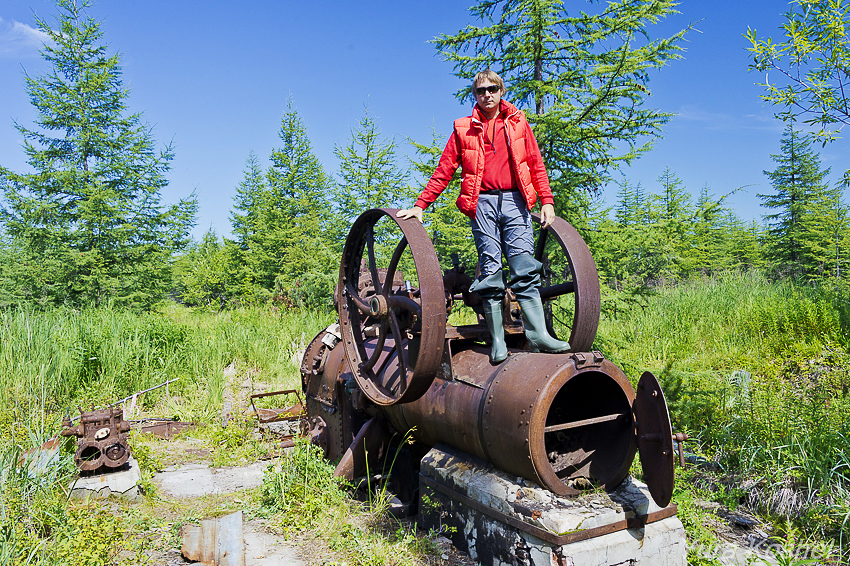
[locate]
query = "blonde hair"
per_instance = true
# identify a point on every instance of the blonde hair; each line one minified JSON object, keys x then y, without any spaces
{"x":487,"y":75}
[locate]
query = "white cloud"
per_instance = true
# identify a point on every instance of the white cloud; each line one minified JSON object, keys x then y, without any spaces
{"x":724,"y":121}
{"x":20,"y":40}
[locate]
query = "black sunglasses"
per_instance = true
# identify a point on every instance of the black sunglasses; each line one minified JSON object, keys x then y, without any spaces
{"x":492,"y":89}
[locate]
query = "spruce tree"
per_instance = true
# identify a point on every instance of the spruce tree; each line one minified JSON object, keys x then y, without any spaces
{"x":292,"y":255}
{"x":247,"y":204}
{"x":582,"y":76}
{"x":799,"y":236}
{"x":88,"y":222}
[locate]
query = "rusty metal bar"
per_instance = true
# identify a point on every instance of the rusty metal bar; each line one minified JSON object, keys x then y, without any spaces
{"x":680,"y":438}
{"x":291,"y":413}
{"x":585,"y":422}
{"x":556,"y":290}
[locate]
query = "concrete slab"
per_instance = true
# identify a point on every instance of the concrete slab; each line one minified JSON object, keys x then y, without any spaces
{"x":196,"y":480}
{"x":500,"y":519}
{"x":123,"y":483}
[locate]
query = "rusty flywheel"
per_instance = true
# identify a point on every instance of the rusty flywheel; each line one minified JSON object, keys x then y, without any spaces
{"x":407,"y":321}
{"x":569,"y":269}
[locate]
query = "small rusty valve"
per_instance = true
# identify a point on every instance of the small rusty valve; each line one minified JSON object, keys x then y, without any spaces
{"x":680,"y":438}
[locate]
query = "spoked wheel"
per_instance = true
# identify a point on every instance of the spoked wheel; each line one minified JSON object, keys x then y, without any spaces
{"x":570,"y":284}
{"x":407,"y":322}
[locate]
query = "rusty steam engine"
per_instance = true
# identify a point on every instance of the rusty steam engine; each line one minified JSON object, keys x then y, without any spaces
{"x":394,"y":366}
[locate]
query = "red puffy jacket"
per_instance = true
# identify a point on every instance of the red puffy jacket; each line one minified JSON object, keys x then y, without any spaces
{"x":466,"y":149}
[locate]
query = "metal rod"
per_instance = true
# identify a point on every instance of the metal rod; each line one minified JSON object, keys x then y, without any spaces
{"x":585,"y":422}
{"x":555,"y":290}
{"x":128,"y":397}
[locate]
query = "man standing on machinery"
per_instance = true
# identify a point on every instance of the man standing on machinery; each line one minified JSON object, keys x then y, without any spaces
{"x":503,"y":173}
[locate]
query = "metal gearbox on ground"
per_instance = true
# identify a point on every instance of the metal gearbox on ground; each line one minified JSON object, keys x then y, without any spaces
{"x":101,"y":440}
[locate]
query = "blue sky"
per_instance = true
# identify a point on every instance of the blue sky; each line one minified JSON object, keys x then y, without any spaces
{"x":214,"y":77}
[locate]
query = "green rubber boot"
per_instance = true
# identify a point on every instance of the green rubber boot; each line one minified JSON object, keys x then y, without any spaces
{"x":495,"y":324}
{"x":535,"y":329}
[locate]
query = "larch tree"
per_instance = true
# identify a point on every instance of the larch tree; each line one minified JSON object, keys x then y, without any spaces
{"x":800,"y":238}
{"x":369,"y":176}
{"x":88,"y":222}
{"x":629,"y":209}
{"x":581,"y":76}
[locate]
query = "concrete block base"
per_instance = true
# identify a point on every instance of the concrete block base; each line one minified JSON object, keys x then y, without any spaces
{"x":123,"y":483}
{"x":502,"y":520}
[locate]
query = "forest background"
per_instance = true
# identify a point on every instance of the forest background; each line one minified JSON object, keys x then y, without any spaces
{"x":85,"y":230}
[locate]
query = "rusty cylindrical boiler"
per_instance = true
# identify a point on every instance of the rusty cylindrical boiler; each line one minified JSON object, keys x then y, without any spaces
{"x":394,"y":362}
{"x":554,"y":419}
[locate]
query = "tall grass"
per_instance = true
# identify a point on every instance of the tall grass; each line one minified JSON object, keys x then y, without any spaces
{"x":759,"y":371}
{"x":53,"y":361}
{"x":738,"y":320}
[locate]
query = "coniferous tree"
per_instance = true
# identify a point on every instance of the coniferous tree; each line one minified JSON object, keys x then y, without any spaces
{"x":88,"y":223}
{"x":369,"y":176}
{"x":242,"y":254}
{"x":583,"y":76}
{"x":674,"y":201}
{"x":671,"y":219}
{"x":708,"y":233}
{"x":628,"y":210}
{"x":292,"y":256}
{"x":743,"y":249}
{"x":247,"y":205}
{"x":799,"y":238}
{"x":841,"y":236}
{"x":202,"y":273}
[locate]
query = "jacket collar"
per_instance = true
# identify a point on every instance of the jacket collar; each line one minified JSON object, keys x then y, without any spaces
{"x":508,"y":111}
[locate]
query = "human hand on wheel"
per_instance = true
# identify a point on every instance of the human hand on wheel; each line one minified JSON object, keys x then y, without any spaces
{"x":415,"y":212}
{"x":547,"y":215}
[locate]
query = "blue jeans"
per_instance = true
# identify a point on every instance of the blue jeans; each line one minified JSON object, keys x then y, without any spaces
{"x":502,"y":225}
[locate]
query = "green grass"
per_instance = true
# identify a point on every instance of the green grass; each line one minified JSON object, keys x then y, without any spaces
{"x":55,"y":361}
{"x":50,"y":361}
{"x":757,"y":371}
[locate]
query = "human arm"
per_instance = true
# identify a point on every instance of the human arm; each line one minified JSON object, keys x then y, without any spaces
{"x":537,"y":169}
{"x":442,"y":176}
